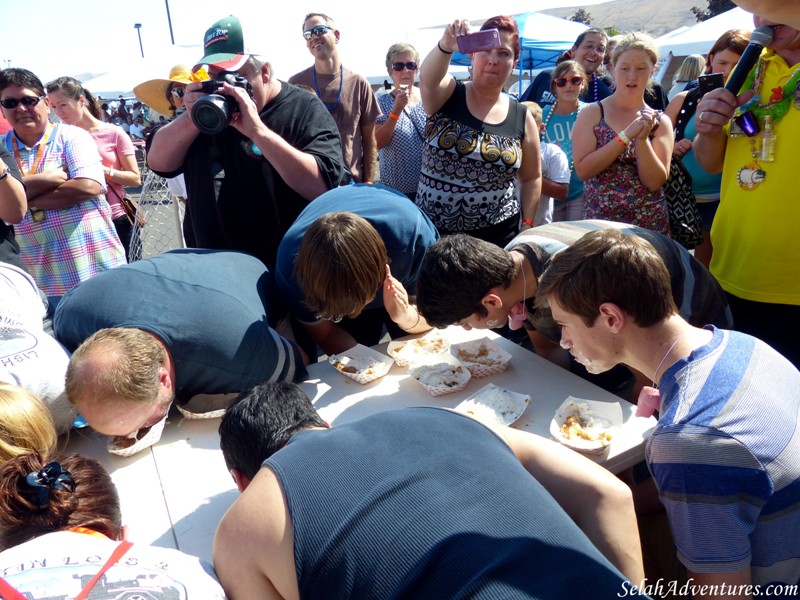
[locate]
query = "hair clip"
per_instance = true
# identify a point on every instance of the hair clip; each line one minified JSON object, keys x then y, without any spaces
{"x":51,"y":477}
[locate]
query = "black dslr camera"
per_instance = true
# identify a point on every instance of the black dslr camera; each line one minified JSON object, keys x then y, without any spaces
{"x":212,"y":113}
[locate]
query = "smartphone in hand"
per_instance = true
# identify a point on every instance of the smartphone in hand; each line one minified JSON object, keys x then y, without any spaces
{"x":478,"y":41}
{"x":706,"y":83}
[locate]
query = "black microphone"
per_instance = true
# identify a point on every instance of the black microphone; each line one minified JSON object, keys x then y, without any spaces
{"x":758,"y":39}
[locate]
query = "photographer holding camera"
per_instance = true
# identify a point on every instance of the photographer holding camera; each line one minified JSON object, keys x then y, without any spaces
{"x":254,"y":150}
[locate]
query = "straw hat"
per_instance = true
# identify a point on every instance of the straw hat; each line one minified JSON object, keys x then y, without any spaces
{"x":154,"y":92}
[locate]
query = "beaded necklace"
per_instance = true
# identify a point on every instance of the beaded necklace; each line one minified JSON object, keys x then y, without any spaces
{"x":543,"y":134}
{"x":778,"y":104}
{"x":341,"y":85}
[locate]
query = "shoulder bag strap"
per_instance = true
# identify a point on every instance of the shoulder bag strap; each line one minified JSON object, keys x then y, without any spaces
{"x":8,"y":592}
{"x":118,"y":553}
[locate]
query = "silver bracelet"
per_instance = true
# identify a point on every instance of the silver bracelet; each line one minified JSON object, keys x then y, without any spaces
{"x":415,"y":323}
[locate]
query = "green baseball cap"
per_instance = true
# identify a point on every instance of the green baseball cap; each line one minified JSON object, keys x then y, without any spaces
{"x":224,"y":45}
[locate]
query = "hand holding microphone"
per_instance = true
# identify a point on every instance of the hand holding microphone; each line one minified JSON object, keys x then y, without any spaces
{"x":717,"y":107}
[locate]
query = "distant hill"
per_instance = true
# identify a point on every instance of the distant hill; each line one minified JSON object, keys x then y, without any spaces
{"x":656,"y":17}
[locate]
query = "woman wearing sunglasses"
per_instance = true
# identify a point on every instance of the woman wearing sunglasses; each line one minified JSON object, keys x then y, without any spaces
{"x":76,"y":106}
{"x":622,"y":147}
{"x":558,"y":120}
{"x":67,"y":234}
{"x":400,"y":129}
{"x":480,"y":143}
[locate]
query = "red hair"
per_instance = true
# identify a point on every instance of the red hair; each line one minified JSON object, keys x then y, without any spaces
{"x":507,"y":24}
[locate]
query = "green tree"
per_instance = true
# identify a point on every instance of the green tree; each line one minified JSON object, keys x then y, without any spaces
{"x":715,"y":7}
{"x":581,"y":16}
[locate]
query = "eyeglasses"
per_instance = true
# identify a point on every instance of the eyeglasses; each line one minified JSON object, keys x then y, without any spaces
{"x":410,"y":66}
{"x":317,"y":30}
{"x":333,"y":318}
{"x":178,"y":91}
{"x":26,"y":101}
{"x":562,"y":81}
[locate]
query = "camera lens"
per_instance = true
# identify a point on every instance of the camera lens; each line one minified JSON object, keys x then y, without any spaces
{"x":211,"y":114}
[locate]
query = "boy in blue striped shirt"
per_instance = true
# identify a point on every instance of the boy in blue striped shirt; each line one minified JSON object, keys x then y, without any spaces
{"x":725,"y":455}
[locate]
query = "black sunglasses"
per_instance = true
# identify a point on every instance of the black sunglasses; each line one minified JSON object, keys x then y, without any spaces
{"x":27,"y":101}
{"x":562,"y":81}
{"x":398,"y":66}
{"x":317,"y":30}
{"x":178,"y":91}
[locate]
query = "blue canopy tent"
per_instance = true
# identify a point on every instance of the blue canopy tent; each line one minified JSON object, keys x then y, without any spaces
{"x":542,"y":39}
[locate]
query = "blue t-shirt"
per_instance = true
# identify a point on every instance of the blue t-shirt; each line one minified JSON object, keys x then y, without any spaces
{"x":405,"y":230}
{"x":427,"y":503}
{"x":724,"y":456}
{"x":209,"y":307}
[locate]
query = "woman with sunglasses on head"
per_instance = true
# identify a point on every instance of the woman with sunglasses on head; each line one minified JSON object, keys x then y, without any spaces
{"x":400,"y":129}
{"x":67,"y":235}
{"x":722,"y":58}
{"x":622,"y":147}
{"x":558,"y":120}
{"x":77,"y":106}
{"x":61,"y":536}
{"x":165,"y":96}
{"x":480,"y":143}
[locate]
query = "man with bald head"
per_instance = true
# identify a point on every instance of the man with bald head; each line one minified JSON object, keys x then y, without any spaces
{"x":166,"y":329}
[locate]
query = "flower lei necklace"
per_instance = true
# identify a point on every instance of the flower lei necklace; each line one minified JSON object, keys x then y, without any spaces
{"x":778,"y":104}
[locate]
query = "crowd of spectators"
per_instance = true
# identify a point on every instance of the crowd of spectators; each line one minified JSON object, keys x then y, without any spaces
{"x":320,"y":215}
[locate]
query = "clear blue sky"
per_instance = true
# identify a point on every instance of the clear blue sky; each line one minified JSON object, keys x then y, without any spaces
{"x":96,"y":36}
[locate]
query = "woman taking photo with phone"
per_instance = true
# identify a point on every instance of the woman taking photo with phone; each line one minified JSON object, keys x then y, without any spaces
{"x":480,"y":143}
{"x":400,"y":130}
{"x":622,"y":147}
{"x":722,"y":58}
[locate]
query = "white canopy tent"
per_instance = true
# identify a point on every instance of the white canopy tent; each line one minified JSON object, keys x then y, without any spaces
{"x":699,"y":38}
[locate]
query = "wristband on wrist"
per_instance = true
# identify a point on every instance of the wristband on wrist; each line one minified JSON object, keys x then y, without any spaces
{"x":442,"y":50}
{"x":527,"y":222}
{"x":623,"y":137}
{"x":5,"y":173}
{"x":394,"y":117}
{"x":415,"y":322}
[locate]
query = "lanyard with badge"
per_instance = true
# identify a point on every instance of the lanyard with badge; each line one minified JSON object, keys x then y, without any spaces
{"x":37,"y":215}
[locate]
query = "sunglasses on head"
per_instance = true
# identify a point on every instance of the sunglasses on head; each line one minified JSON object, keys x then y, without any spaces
{"x":178,"y":91}
{"x":317,"y":30}
{"x":27,"y":101}
{"x":410,"y":66}
{"x":562,"y":81}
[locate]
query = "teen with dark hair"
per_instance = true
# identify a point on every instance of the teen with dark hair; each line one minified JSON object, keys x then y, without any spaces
{"x":419,"y":502}
{"x":60,"y":520}
{"x":477,"y":285}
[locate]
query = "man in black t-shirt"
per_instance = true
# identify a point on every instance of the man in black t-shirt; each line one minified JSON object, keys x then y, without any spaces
{"x":248,"y":183}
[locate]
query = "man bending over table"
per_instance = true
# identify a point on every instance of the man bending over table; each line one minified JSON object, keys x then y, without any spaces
{"x":413,"y":503}
{"x":348,"y":266}
{"x":477,"y":285}
{"x":168,"y":328}
{"x":724,"y":453}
